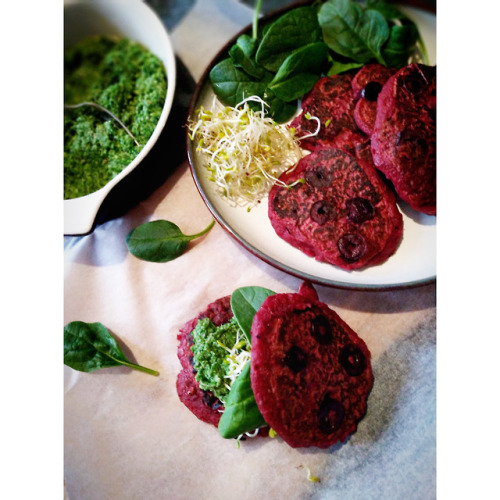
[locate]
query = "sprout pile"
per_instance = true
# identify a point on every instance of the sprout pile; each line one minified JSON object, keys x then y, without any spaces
{"x":245,"y":151}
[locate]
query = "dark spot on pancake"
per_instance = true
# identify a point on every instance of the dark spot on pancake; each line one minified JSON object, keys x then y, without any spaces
{"x":415,"y":82}
{"x":359,"y":210}
{"x":371,"y":91}
{"x":285,"y":206}
{"x":352,"y":359}
{"x":322,"y":211}
{"x":330,"y":415}
{"x":319,"y":177}
{"x":295,"y":359}
{"x":329,"y":84}
{"x":351,"y":246}
{"x":321,"y":330}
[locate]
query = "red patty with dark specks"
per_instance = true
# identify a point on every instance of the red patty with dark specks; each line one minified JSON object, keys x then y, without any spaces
{"x":332,"y":101}
{"x":311,"y":373}
{"x":323,"y":216}
{"x":366,"y":109}
{"x":404,"y":136}
{"x":204,"y":405}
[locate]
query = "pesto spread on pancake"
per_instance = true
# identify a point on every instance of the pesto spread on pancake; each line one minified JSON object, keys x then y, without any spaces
{"x":212,"y":346}
{"x":130,"y":82}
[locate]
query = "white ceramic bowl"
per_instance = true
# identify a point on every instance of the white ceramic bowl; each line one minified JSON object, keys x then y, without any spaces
{"x":131,"y":19}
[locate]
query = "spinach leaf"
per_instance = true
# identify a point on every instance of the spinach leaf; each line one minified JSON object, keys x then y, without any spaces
{"x":294,"y":29}
{"x":401,"y":43}
{"x":279,"y":110}
{"x":404,"y":35}
{"x":338,"y":67}
{"x":90,"y":346}
{"x":252,"y":65}
{"x":245,"y":302}
{"x":352,"y":31}
{"x":241,"y":55}
{"x":241,"y":413}
{"x":404,"y":32}
{"x":160,"y":241}
{"x":281,"y":62}
{"x":299,"y":71}
{"x":231,"y":84}
{"x":247,"y":44}
{"x":388,"y":10}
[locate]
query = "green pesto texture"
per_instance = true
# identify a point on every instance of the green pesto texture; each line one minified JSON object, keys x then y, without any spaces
{"x":126,"y":79}
{"x":209,"y":357}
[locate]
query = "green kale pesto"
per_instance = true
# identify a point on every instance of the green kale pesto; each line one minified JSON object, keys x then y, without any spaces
{"x":210,"y":356}
{"x":126,"y":79}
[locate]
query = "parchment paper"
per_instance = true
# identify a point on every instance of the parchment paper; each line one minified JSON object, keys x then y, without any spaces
{"x":126,"y":434}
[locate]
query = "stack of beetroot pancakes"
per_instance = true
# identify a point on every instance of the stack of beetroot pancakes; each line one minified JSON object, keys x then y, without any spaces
{"x":378,"y":121}
{"x":310,"y":372}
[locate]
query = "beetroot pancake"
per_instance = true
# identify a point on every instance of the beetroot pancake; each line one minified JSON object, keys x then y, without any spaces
{"x":366,"y":85}
{"x":341,"y":213}
{"x":202,"y":403}
{"x":404,"y":136}
{"x":311,"y":373}
{"x":332,"y":101}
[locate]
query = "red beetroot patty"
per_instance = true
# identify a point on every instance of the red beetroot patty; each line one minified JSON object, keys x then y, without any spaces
{"x":404,"y":135}
{"x":366,"y":85}
{"x":311,"y":373}
{"x":343,"y":213}
{"x":202,"y":403}
{"x":332,"y":101}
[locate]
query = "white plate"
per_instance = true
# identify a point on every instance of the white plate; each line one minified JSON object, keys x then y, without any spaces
{"x":414,"y":262}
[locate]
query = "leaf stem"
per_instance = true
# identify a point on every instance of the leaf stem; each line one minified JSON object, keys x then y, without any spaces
{"x":423,"y":50}
{"x":139,"y":368}
{"x":193,"y":236}
{"x":256,"y":18}
{"x":380,"y":59}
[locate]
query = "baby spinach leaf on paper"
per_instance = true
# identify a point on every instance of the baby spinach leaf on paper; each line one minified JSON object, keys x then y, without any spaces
{"x":352,"y":31}
{"x":299,"y":71}
{"x":245,"y":302}
{"x":90,"y":346}
{"x":294,"y":29}
{"x":241,"y":413}
{"x":160,"y":241}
